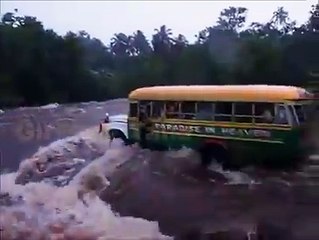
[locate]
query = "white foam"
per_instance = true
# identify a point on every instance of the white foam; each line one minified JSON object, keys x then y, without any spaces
{"x":1,"y":111}
{"x":54,"y":205}
{"x":45,"y":205}
{"x":181,"y":153}
{"x":233,"y":177}
{"x":50,"y":106}
{"x":7,"y":182}
{"x":74,"y":110}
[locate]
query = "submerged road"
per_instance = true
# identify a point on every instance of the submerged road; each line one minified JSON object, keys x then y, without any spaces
{"x":168,"y":187}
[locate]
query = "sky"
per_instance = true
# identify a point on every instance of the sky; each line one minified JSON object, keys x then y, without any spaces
{"x":102,"y":19}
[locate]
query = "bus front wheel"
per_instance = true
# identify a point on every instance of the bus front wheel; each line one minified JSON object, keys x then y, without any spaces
{"x":114,"y":133}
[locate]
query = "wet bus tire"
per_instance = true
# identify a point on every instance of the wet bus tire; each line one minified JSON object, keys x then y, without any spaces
{"x":118,"y":134}
{"x":210,"y":153}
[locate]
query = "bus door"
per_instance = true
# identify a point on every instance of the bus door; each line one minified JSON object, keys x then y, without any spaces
{"x":144,"y":122}
{"x":132,"y":125}
{"x":158,"y":121}
{"x":172,"y":112}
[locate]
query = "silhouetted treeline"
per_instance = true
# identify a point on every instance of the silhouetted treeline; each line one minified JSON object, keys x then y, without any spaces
{"x":38,"y":66}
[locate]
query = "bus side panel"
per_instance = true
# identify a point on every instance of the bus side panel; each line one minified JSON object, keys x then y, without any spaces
{"x":133,"y":130}
{"x":280,"y":149}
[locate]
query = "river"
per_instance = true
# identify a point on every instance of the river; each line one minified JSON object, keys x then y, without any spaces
{"x":60,"y":178}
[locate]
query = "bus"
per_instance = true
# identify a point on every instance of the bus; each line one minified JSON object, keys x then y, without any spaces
{"x":235,"y":125}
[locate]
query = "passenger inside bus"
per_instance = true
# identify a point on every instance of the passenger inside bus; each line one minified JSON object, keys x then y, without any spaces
{"x":267,"y":116}
{"x":205,"y":111}
{"x":172,"y":110}
{"x":281,"y":116}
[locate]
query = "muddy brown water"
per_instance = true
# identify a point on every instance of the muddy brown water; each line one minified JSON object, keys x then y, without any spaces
{"x":170,"y":190}
{"x":186,"y":198}
{"x":24,"y":130}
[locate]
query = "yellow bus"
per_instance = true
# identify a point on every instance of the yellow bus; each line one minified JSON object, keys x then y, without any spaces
{"x":236,"y":125}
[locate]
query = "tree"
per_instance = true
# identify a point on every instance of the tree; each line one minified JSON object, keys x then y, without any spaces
{"x":121,"y":45}
{"x":39,"y":66}
{"x":281,"y":22}
{"x":259,"y":62}
{"x":96,"y":55}
{"x":140,"y":44}
{"x":314,"y":19}
{"x":179,"y":44}
{"x":162,"y":40}
{"x":232,"y":19}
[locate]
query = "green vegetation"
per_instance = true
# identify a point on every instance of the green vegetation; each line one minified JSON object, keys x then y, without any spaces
{"x":38,"y":66}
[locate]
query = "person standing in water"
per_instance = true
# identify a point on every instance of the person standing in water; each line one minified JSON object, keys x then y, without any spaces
{"x":142,"y":121}
{"x":144,"y":125}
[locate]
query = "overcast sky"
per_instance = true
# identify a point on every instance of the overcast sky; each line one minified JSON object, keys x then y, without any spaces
{"x":101,"y":19}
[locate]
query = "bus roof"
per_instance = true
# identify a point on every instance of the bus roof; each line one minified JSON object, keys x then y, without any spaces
{"x":253,"y":93}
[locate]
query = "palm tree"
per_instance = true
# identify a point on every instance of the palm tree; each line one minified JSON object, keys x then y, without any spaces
{"x":84,"y":34}
{"x":164,"y":34}
{"x":202,"y":36}
{"x":121,"y":44}
{"x":279,"y":17}
{"x":140,"y":44}
{"x":161,"y":40}
{"x":180,"y":40}
{"x":232,"y":19}
{"x":281,"y":22}
{"x":14,"y":19}
{"x":314,"y":19}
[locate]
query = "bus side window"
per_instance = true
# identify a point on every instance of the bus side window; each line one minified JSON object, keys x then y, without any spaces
{"x":223,"y":111}
{"x":158,"y":109}
{"x":243,"y":112}
{"x":205,"y":111}
{"x":264,"y":112}
{"x":281,"y":116}
{"x":188,"y":110}
{"x":146,"y":106}
{"x":133,"y":110}
{"x":172,"y":110}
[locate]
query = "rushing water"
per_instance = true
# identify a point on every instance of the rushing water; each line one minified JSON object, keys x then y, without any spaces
{"x":72,"y":209}
{"x":61,"y":192}
{"x":55,"y":192}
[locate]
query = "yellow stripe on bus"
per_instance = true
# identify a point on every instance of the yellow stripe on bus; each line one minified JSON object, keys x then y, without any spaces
{"x":220,"y":124}
{"x":214,"y":136}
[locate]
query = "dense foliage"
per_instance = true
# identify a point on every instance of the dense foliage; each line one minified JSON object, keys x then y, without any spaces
{"x":38,"y":66}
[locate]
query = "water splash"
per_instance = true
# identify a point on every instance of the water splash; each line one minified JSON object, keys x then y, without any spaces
{"x":38,"y":210}
{"x":233,"y":177}
{"x":61,"y":185}
{"x":50,"y":106}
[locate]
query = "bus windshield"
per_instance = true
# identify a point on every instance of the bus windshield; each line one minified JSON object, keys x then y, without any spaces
{"x":301,"y":113}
